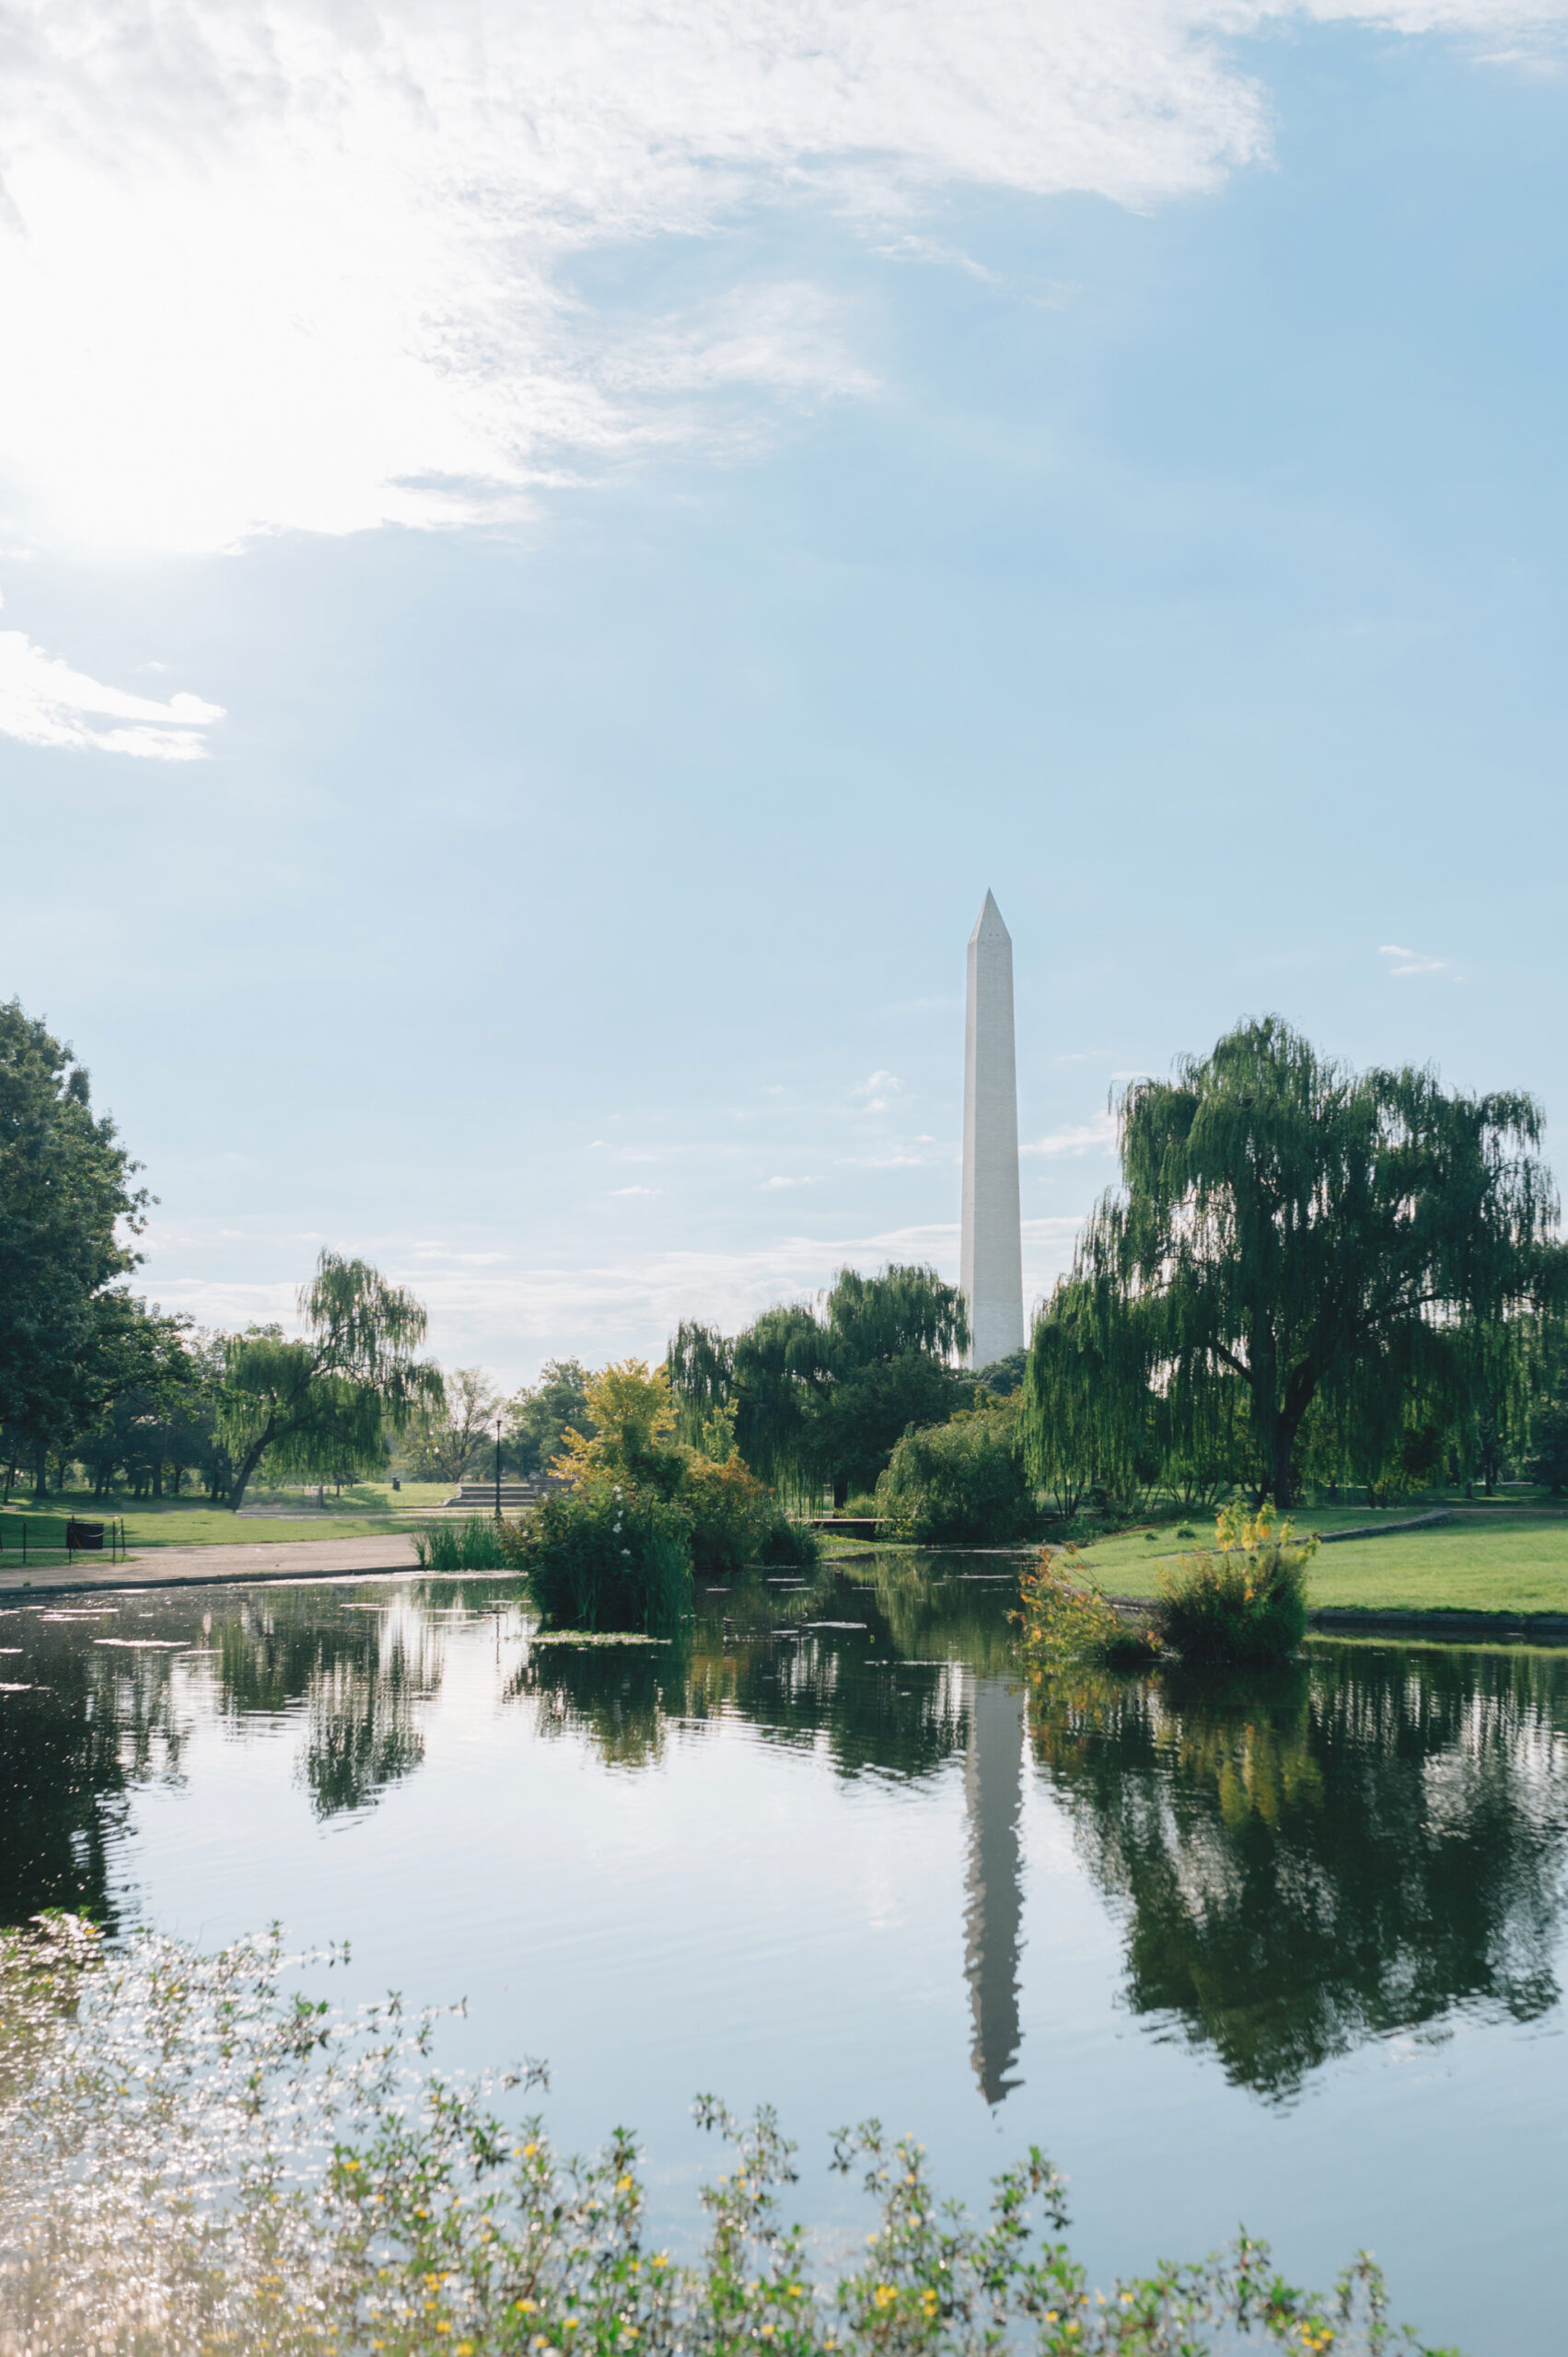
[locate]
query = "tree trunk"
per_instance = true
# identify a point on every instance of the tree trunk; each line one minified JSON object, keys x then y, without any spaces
{"x":41,"y":1478}
{"x":240,"y":1480}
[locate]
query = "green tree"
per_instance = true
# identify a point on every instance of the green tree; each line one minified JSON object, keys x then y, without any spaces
{"x":144,"y":1369}
{"x":1549,"y":1416}
{"x":66,"y":1206}
{"x":442,"y":1442}
{"x":322,"y":1405}
{"x":962,"y":1483}
{"x":822,"y":1395}
{"x":542,"y":1415}
{"x":1289,"y":1234}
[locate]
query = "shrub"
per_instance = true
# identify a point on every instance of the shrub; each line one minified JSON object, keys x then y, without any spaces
{"x":607,"y":1558}
{"x":470,"y":1543}
{"x":197,"y":2161}
{"x":1065,"y":1616}
{"x":1242,"y":1600}
{"x":959,"y":1484}
{"x":789,"y":1546}
{"x":731,"y":1514}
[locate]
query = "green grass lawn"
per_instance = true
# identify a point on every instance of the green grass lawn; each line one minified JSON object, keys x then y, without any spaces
{"x":1489,"y":1558}
{"x":364,"y":1508}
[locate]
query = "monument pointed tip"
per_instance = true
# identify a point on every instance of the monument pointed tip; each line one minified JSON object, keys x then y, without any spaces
{"x":988,"y":925}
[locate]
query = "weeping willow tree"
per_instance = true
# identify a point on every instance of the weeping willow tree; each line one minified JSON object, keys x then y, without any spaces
{"x":822,"y":1394}
{"x":321,"y":1405}
{"x":1290,"y":1236}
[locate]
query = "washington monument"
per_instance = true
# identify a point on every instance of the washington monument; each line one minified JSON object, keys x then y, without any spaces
{"x":991,"y":1272}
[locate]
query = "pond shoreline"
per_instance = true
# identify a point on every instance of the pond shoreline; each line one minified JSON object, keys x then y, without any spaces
{"x":1446,"y":1622}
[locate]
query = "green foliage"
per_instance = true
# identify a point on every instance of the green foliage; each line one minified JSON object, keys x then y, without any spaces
{"x":603,"y":1557}
{"x":451,"y":1437}
{"x":732,"y":1516}
{"x":1242,"y":1600}
{"x":822,"y":1396}
{"x":727,"y":1516}
{"x":66,"y":1204}
{"x":631,"y":1416}
{"x":463,"y":1543}
{"x":1064,"y":1616}
{"x":1290,"y":1236}
{"x":789,"y":1546}
{"x":153,"y":2104}
{"x":542,"y":1415}
{"x":959,"y":1484}
{"x":323,"y":1406}
{"x":1548,"y":1461}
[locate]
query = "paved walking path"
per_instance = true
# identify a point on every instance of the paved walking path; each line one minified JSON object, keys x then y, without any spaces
{"x":185,"y":1566}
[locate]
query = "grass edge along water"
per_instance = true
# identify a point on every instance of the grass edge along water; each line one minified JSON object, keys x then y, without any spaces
{"x":199,"y":2161}
{"x":1241,"y":1601}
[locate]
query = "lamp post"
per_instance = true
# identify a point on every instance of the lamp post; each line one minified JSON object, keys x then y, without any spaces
{"x":497,"y":1468}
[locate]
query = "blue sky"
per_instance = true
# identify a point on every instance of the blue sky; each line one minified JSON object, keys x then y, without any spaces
{"x":652,"y":513}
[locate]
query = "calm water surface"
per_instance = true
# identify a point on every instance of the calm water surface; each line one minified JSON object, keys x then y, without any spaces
{"x":1289,"y":1952}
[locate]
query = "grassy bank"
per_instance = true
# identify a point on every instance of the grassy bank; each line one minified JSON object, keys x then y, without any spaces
{"x":272,"y":1516}
{"x":1489,"y":1558}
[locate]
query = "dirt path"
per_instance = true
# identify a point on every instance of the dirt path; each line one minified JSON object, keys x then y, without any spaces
{"x":187,"y":1566}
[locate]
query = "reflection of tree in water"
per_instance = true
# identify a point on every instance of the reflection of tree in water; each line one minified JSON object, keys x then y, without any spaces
{"x":361,"y":1676}
{"x":1352,"y":1846}
{"x":621,"y":1697}
{"x":95,"y":1722}
{"x":886,"y":1695}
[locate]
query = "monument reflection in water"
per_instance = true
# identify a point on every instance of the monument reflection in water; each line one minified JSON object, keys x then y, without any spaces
{"x":993,"y":1792}
{"x":1367,"y":1842}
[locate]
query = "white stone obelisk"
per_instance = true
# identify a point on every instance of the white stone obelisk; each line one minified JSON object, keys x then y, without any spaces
{"x":993,"y":1263}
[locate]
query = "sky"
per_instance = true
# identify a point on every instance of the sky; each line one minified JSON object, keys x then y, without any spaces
{"x":551,"y":555}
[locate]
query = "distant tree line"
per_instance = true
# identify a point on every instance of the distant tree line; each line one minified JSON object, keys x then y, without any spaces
{"x":1308,"y":1279}
{"x":822,"y":1392}
{"x":91,"y":1376}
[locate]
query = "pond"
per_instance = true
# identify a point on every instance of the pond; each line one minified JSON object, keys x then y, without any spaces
{"x":1288,"y":1952}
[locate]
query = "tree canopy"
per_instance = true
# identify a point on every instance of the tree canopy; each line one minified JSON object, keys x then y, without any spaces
{"x":443,"y":1441}
{"x":1291,"y":1239}
{"x":321,"y":1405}
{"x":822,"y":1394}
{"x":68,"y":1208}
{"x":543,"y":1413}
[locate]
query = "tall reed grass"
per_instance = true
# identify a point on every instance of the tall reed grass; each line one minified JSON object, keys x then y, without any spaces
{"x":475,"y":1542}
{"x":606,"y":1559}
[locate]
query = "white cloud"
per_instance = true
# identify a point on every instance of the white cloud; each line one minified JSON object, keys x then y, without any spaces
{"x":1415,"y":961}
{"x":878,"y":1091}
{"x":512,"y":1317}
{"x":789,"y":1182}
{"x":44,"y":701}
{"x":632,"y":1191}
{"x":271,"y":264}
{"x":1087,"y":1137}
